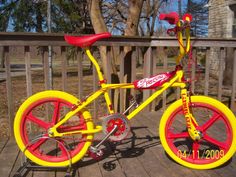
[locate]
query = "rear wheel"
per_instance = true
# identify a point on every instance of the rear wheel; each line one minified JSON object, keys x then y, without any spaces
{"x":216,"y":124}
{"x":40,"y":112}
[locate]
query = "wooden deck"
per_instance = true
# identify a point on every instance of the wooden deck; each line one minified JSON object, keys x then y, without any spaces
{"x":140,"y":155}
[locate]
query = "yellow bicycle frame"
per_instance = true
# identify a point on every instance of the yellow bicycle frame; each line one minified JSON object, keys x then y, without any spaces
{"x":183,"y":50}
{"x":176,"y":81}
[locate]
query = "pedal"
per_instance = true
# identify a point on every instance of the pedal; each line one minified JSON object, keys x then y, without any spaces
{"x":95,"y":153}
{"x":68,"y":175}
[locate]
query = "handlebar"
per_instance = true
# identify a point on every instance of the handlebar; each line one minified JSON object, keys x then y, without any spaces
{"x":181,"y":25}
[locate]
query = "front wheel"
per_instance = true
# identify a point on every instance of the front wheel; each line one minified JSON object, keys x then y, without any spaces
{"x":39,"y":113}
{"x":217,"y":126}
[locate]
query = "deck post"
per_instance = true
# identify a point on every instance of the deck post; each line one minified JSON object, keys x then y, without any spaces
{"x":10,"y":103}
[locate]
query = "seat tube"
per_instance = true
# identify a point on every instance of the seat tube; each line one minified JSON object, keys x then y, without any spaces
{"x":108,"y":102}
{"x":95,"y":63}
{"x":101,"y":80}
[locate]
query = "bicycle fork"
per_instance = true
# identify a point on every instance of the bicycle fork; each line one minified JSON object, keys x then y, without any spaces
{"x":191,"y":122}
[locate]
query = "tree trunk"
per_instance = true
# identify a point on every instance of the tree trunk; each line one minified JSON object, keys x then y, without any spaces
{"x":39,"y":18}
{"x":228,"y":67}
{"x":99,"y":27}
{"x":135,"y":8}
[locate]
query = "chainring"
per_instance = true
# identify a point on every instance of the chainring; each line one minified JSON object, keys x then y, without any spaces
{"x":121,"y":122}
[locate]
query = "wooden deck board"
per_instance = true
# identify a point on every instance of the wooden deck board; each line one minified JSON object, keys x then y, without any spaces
{"x":141,"y":154}
{"x":152,"y":121}
{"x":8,"y":157}
{"x":228,"y":169}
{"x":3,"y":143}
{"x":158,"y":151}
{"x":17,"y":164}
{"x":150,"y":160}
{"x":110,"y":166}
{"x":43,"y":173}
{"x":132,"y":167}
{"x":92,"y":169}
{"x":153,"y":124}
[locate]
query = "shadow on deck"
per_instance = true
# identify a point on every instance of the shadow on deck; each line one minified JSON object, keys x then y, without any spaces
{"x":140,"y":155}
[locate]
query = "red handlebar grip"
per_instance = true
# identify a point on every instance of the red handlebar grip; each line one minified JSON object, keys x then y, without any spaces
{"x":187,"y":17}
{"x":172,"y":17}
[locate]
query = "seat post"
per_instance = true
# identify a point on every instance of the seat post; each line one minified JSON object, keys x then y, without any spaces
{"x":95,"y":63}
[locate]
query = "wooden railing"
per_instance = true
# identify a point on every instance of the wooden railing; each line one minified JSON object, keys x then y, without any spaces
{"x":150,"y":46}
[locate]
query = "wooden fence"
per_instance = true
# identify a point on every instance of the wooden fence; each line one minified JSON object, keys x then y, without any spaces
{"x":152,"y":46}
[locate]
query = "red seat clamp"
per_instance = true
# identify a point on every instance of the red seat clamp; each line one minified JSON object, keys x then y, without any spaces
{"x":103,"y":81}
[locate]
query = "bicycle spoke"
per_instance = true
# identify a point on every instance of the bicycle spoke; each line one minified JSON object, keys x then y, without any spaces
{"x":56,"y":112}
{"x":214,"y":142}
{"x":210,"y":122}
{"x":38,"y":121}
{"x":38,"y":144}
{"x":195,"y":149}
{"x":181,"y":113}
{"x":178,"y":135}
{"x":62,"y":147}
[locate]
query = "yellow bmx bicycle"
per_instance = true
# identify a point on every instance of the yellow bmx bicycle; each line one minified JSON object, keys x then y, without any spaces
{"x":54,"y":128}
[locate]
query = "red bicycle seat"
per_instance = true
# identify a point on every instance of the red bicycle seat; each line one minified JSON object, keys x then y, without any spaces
{"x":85,"y":41}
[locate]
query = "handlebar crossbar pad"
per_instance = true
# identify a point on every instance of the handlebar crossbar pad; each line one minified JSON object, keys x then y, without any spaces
{"x":172,"y":17}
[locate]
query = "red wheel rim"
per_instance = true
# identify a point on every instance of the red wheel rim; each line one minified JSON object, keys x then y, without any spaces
{"x":210,"y":148}
{"x":45,"y":148}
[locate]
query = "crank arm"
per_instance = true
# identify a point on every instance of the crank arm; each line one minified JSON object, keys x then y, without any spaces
{"x":54,"y":133}
{"x":95,"y":149}
{"x":107,"y":136}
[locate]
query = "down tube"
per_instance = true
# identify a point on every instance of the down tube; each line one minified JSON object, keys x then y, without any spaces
{"x":148,"y":101}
